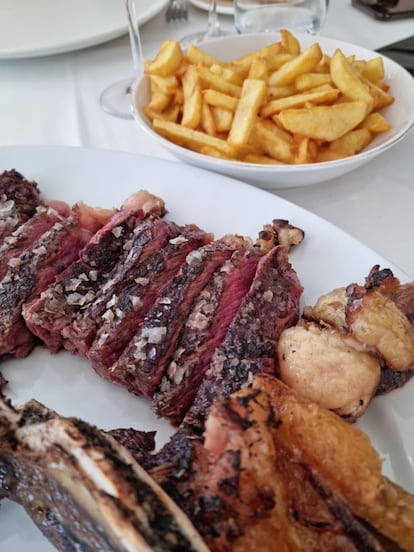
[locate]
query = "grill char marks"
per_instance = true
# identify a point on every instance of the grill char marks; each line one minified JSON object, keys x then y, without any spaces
{"x":203,"y":332}
{"x":138,"y":295}
{"x":19,"y":199}
{"x":78,"y":285}
{"x":142,"y":364}
{"x":270,"y":306}
{"x":89,"y":492}
{"x":149,"y":235}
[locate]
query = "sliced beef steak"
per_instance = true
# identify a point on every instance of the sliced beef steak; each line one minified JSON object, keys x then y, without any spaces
{"x":77,"y":286}
{"x":270,"y":306}
{"x":27,"y":235}
{"x":203,"y":332}
{"x":149,"y":235}
{"x":33,"y":271}
{"x":19,"y":199}
{"x":142,"y":364}
{"x":127,"y":309}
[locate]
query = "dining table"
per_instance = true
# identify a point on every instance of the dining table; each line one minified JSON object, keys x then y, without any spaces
{"x":52,"y":98}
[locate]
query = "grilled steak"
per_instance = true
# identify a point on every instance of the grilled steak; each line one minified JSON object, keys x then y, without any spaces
{"x":142,"y":364}
{"x":203,"y":332}
{"x":19,"y":199}
{"x":77,"y":286}
{"x":27,"y":235}
{"x":127,"y":309}
{"x":270,"y":306}
{"x":82,"y":489}
{"x":33,"y":270}
{"x":149,"y":235}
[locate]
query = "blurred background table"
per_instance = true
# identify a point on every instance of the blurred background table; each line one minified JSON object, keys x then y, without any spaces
{"x":54,"y":100}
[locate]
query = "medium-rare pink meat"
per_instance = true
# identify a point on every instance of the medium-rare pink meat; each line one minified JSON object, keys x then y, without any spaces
{"x":270,"y":306}
{"x":128,"y":308}
{"x":149,"y":235}
{"x":78,"y":286}
{"x":35,"y":269}
{"x":203,"y":332}
{"x":27,"y":235}
{"x":142,"y":364}
{"x":19,"y":199}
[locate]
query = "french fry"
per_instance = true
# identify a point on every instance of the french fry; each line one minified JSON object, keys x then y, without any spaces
{"x":348,"y":82}
{"x":218,"y":99}
{"x":207,"y":122}
{"x":375,"y":122}
{"x":193,"y":139}
{"x":290,"y":42}
{"x":167,"y":61}
{"x":218,"y":83}
{"x":324,"y":122}
{"x":252,"y":96}
{"x":196,"y":56}
{"x":323,"y":94}
{"x":374,"y":70}
{"x":273,"y":143}
{"x":352,"y":142}
{"x":306,"y":81}
{"x":223,"y":119}
{"x":302,"y":63}
{"x":278,"y":104}
{"x":192,"y":98}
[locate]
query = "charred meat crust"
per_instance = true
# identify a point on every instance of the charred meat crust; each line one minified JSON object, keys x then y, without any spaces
{"x":142,"y":364}
{"x":270,"y":306}
{"x":203,"y":332}
{"x":83,"y":489}
{"x":76,"y":287}
{"x":138,"y":295}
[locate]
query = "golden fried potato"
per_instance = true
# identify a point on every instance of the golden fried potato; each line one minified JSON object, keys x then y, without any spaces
{"x":278,"y":104}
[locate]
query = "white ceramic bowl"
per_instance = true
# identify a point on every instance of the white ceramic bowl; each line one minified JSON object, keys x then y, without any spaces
{"x":273,"y":177}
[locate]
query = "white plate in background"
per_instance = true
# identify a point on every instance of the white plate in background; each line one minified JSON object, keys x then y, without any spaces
{"x":223,"y":6}
{"x":327,"y":258}
{"x":31,"y":28}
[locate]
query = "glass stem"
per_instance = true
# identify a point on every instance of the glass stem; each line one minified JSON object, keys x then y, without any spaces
{"x":134,"y":36}
{"x":213,"y":26}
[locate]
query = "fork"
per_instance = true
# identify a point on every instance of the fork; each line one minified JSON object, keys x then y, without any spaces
{"x":177,"y":9}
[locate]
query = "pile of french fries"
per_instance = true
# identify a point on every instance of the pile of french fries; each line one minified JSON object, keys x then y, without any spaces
{"x":278,"y":105}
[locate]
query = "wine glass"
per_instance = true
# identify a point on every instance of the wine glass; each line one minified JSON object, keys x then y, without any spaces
{"x":213,"y":28}
{"x":116,"y":98}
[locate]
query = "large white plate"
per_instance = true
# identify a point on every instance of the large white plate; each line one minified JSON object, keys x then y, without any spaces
{"x":223,"y":6}
{"x":30,"y":28}
{"x":327,"y":258}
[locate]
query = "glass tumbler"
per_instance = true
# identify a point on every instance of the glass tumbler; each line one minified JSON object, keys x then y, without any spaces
{"x":298,"y":16}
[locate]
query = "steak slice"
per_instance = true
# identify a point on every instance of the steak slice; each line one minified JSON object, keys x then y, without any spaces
{"x":27,"y":235}
{"x":127,"y":309}
{"x":148,"y":236}
{"x":83,"y":490}
{"x":19,"y":199}
{"x":142,"y":364}
{"x":33,"y":271}
{"x":270,"y":306}
{"x":203,"y":332}
{"x":76,"y":287}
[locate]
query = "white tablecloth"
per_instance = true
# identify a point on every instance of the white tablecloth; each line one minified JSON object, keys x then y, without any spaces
{"x":55,"y":100}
